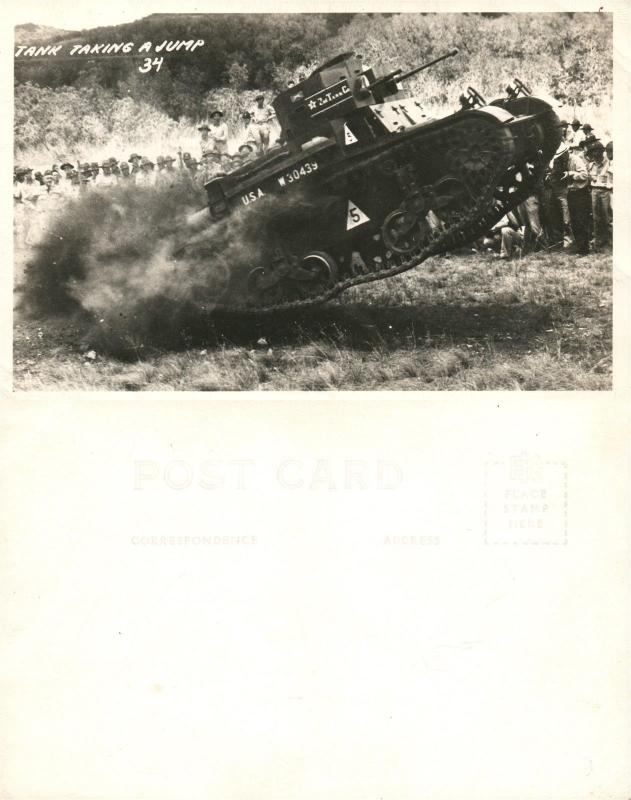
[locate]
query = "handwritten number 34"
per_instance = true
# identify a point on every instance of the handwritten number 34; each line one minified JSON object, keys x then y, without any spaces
{"x":148,"y":63}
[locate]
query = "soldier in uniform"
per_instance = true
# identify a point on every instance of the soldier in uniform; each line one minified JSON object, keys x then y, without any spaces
{"x":48,"y":197}
{"x":511,"y":234}
{"x":246,"y":151}
{"x":134,"y":159}
{"x":185,"y":158}
{"x":261,"y":117}
{"x":167,"y":176}
{"x":146,"y":176}
{"x":248,"y":134}
{"x":108,"y":178}
{"x":86,"y":177}
{"x":578,"y":199}
{"x":19,"y":206}
{"x":206,"y":144}
{"x":125,"y":171}
{"x":96,"y":173}
{"x":66,"y":182}
{"x":598,"y":169}
{"x":559,"y":216}
{"x":609,"y":151}
{"x":218,"y":133}
{"x":575,"y":134}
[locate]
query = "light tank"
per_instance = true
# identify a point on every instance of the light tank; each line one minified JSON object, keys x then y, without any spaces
{"x":364,"y":185}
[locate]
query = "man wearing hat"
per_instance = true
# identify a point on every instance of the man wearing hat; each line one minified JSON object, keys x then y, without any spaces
{"x":564,"y":125}
{"x":578,"y":199}
{"x":20,"y":203}
{"x":249,"y":134}
{"x":207,"y":166}
{"x":206,"y":144}
{"x":556,"y":185}
{"x":246,"y":151}
{"x":598,"y":169}
{"x":146,"y":176}
{"x":96,"y":173}
{"x":609,"y":151}
{"x":85,"y":177}
{"x":261,"y":117}
{"x":134,"y":159}
{"x":125,"y":171}
{"x":107,"y":179}
{"x":218,"y":133}
{"x":575,"y":134}
{"x":66,"y":170}
{"x":167,"y":176}
{"x":184,"y":158}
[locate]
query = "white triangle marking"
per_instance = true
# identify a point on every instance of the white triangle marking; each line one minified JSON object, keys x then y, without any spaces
{"x":349,"y":136}
{"x":355,"y":216}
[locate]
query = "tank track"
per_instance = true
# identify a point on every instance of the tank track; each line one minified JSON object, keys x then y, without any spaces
{"x":489,"y":169}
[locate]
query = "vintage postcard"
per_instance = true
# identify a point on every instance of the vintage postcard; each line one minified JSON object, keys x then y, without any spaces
{"x":314,"y":423}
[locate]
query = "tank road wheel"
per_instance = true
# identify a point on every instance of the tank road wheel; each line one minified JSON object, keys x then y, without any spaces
{"x":314,"y":272}
{"x":403,"y":232}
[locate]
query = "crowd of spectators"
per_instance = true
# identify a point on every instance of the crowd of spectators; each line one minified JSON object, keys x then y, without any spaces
{"x":572,"y":209}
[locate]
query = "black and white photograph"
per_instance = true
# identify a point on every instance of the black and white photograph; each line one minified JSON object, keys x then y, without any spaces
{"x":317,"y":201}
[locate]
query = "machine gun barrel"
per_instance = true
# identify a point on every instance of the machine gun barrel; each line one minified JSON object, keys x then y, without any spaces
{"x":414,"y":71}
{"x":397,"y":76}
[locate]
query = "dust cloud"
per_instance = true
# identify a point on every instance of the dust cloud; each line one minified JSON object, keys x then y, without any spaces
{"x":126,"y":264}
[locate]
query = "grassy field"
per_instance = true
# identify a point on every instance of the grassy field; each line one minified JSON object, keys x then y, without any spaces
{"x":463,"y":322}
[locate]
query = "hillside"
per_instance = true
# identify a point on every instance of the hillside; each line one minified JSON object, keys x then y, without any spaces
{"x":65,"y":104}
{"x":29,"y":33}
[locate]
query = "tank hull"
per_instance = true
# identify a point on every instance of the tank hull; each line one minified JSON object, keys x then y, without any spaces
{"x":333,"y":216}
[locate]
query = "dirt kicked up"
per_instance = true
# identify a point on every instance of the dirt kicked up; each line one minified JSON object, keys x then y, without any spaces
{"x":126,"y":264}
{"x":459,"y":322}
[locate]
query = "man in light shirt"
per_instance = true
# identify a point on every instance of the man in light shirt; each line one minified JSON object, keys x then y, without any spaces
{"x":217,"y":133}
{"x":598,"y":169}
{"x":261,"y":117}
{"x":146,"y":176}
{"x":578,"y":199}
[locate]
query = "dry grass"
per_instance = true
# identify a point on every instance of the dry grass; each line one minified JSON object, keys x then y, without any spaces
{"x":464,"y":322}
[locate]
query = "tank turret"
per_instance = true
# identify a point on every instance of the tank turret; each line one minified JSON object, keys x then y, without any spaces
{"x":341,"y":90}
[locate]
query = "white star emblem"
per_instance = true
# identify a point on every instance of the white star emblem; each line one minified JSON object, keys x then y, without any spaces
{"x":312,"y":104}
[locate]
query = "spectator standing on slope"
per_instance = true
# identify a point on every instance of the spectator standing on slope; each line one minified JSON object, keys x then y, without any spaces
{"x":218,"y":132}
{"x":261,"y":116}
{"x":578,"y":199}
{"x":598,"y":169}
